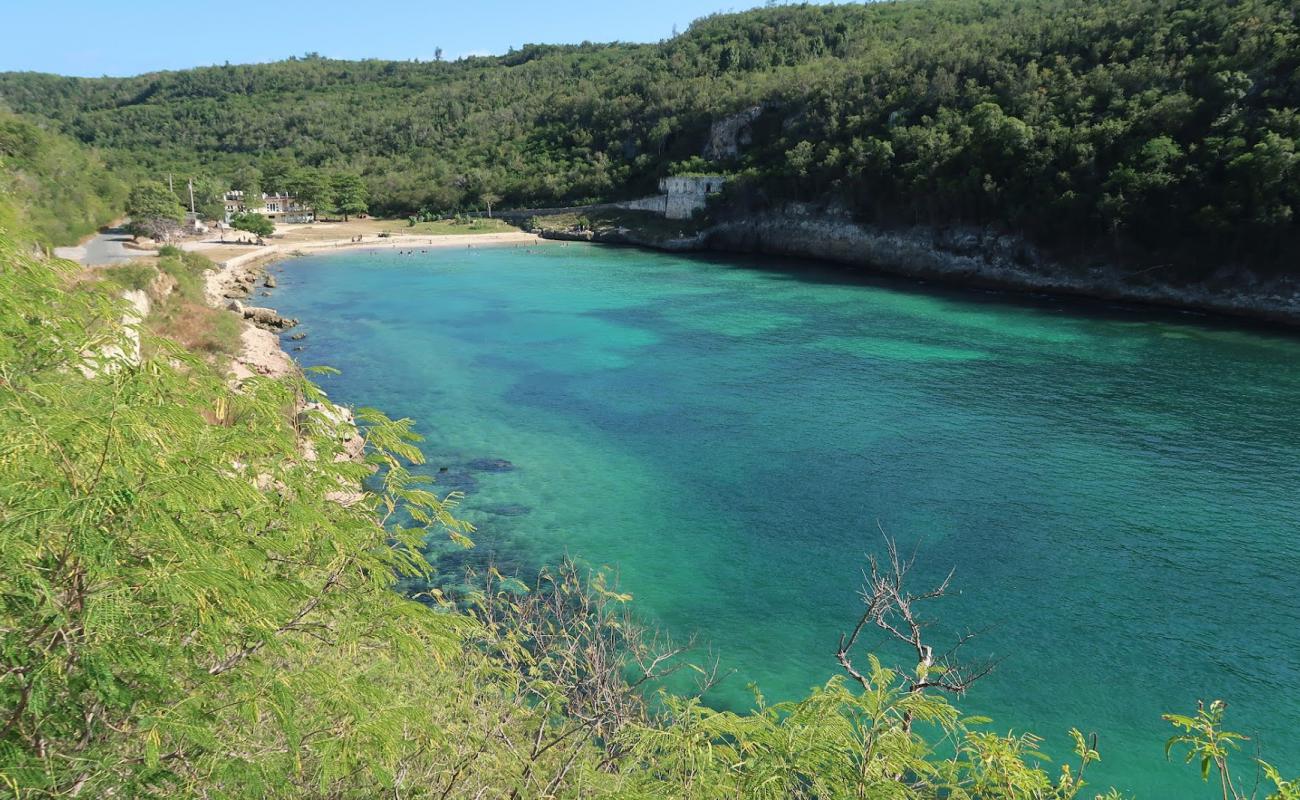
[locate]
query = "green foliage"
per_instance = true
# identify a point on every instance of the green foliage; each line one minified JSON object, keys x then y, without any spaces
{"x":253,"y":223}
{"x":187,"y":269}
{"x":1141,"y":126}
{"x":199,"y":601}
{"x":350,"y":194}
{"x":1210,"y":746}
{"x":313,"y":189}
{"x":153,"y":209}
{"x":52,"y":186}
{"x":133,"y":275}
{"x":181,"y":603}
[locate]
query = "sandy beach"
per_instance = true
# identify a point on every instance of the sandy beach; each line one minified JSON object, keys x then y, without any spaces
{"x":261,"y":353}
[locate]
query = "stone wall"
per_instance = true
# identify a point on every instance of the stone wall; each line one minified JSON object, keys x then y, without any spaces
{"x":686,"y":195}
{"x":657,"y":204}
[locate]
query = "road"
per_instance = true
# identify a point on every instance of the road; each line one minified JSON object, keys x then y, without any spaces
{"x":100,"y":249}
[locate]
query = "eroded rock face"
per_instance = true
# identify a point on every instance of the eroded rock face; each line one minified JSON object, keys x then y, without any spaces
{"x":729,"y":134}
{"x":161,"y":286}
{"x":977,"y":256}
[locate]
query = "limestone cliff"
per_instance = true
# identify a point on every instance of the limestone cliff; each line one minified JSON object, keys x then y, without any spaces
{"x":959,"y":255}
{"x":974,"y":256}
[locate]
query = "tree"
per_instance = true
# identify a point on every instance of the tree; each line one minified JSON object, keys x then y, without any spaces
{"x":247,"y":179}
{"x":208,"y":197}
{"x":190,"y":610}
{"x":489,"y":199}
{"x":255,"y":224}
{"x":892,"y":607}
{"x":154,"y":211}
{"x":350,"y":194}
{"x":312,"y":189}
{"x":129,"y":536}
{"x":276,"y":172}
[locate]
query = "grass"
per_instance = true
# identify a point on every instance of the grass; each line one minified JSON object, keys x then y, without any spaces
{"x":197,"y":326}
{"x":451,"y":227}
{"x":183,"y":314}
{"x":133,"y":275}
{"x":187,"y":270}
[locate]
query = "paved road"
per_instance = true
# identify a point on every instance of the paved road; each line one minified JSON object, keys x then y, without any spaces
{"x":103,"y":248}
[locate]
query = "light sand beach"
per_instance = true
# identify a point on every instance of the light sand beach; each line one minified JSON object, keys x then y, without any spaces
{"x":240,"y":264}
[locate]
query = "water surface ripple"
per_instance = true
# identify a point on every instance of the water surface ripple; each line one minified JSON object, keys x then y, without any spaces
{"x":1116,"y":488}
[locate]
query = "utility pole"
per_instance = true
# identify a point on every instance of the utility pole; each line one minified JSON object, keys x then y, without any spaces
{"x":170,"y":188}
{"x":192,"y":211}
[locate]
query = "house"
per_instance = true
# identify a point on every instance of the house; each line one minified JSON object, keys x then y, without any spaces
{"x":279,"y":208}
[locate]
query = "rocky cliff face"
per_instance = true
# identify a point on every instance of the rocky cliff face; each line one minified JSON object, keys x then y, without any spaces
{"x":958,"y":255}
{"x":973,"y":256}
{"x":729,"y":134}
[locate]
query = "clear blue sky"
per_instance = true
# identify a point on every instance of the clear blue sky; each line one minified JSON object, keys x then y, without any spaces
{"x":127,"y":37}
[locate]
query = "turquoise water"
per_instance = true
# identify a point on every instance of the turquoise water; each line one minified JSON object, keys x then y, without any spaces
{"x":1116,"y":489}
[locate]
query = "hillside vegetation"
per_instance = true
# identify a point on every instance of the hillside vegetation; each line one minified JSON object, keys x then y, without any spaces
{"x":52,"y":186}
{"x":199,"y":589}
{"x":190,"y":610}
{"x":1123,"y":126}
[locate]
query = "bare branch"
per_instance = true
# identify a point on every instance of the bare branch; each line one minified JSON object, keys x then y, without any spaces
{"x":893,"y":608}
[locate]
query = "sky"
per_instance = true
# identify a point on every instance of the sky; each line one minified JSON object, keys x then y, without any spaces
{"x":128,"y":37}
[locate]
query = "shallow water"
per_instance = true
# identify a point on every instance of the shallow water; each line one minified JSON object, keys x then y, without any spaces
{"x":1117,"y":489}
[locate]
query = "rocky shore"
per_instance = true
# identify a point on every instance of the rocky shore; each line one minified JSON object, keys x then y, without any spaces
{"x":228,"y":287}
{"x":961,"y":256}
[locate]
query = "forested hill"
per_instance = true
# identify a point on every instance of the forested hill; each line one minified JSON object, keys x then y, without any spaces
{"x":51,"y":189}
{"x":1166,"y":126}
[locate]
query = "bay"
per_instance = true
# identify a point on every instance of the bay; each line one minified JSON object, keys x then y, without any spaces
{"x":1115,"y":488}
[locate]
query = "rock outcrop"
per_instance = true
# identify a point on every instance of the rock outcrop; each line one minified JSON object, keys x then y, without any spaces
{"x":961,"y":255}
{"x":268,"y":318}
{"x":974,"y":256}
{"x":729,"y":134}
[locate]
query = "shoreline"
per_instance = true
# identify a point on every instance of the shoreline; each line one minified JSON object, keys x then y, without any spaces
{"x":966,"y":259}
{"x":262,"y":352}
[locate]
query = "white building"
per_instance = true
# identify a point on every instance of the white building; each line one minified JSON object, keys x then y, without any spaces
{"x":279,"y":208}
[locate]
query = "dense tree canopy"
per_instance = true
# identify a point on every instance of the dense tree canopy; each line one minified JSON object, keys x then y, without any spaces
{"x":188,"y":610}
{"x":253,"y":223}
{"x":52,"y":186}
{"x":1159,"y":125}
{"x":154,"y":210}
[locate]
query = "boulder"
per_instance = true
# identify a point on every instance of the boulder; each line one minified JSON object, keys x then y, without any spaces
{"x":268,"y":318}
{"x":269,"y":281}
{"x":235,"y":306}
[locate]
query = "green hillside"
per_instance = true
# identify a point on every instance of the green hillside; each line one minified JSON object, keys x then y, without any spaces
{"x":1165,"y":126}
{"x":52,"y":186}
